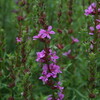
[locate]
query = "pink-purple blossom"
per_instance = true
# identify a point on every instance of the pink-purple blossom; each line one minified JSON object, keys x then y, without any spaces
{"x":54,"y":69}
{"x":58,"y":86}
{"x":49,"y":71}
{"x":67,"y":53}
{"x":74,"y":40}
{"x":44,"y":33}
{"x":91,"y":28}
{"x":49,"y":97}
{"x":60,"y":96}
{"x":98,"y":27}
{"x":40,"y":56}
{"x":98,"y":20}
{"x":91,"y":33}
{"x":18,"y":39}
{"x":90,"y":9}
{"x":53,"y":56}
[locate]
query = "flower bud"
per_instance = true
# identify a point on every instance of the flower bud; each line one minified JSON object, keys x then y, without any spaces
{"x":10,"y":98}
{"x":11,"y":85}
{"x":59,"y":30}
{"x":91,"y":95}
{"x":60,"y":46}
{"x":70,"y":31}
{"x":20,"y":18}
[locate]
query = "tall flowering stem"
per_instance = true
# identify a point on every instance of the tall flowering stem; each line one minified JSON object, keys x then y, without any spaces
{"x":50,"y":69}
{"x":70,"y":13}
{"x":22,"y":17}
{"x":42,"y":14}
{"x":93,"y":10}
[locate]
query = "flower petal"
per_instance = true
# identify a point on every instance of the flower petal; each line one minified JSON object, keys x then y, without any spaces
{"x":49,"y":28}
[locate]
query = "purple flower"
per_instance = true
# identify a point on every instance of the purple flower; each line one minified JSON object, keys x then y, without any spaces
{"x":58,"y":86}
{"x":55,"y":69}
{"x":45,"y":73}
{"x":91,"y":46}
{"x":91,"y":28}
{"x":98,"y":27}
{"x":74,"y":40}
{"x":45,"y":69}
{"x":60,"y":95}
{"x":50,"y":97}
{"x":44,"y":34}
{"x":67,"y":53}
{"x":53,"y":56}
{"x":91,"y":33}
{"x":18,"y":39}
{"x":98,"y":20}
{"x":44,"y":78}
{"x":49,"y":71}
{"x":40,"y":55}
{"x":90,"y":9}
{"x":93,"y":5}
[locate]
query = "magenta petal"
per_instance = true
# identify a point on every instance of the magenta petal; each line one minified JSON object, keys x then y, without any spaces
{"x":75,"y":39}
{"x":98,"y":27}
{"x":67,"y":53}
{"x":43,"y":35}
{"x":91,"y":33}
{"x":41,"y":77}
{"x":48,"y":36}
{"x":98,"y":20}
{"x":49,"y":28}
{"x":35,"y":37}
{"x":92,"y":28}
{"x":42,"y":31}
{"x":51,"y":32}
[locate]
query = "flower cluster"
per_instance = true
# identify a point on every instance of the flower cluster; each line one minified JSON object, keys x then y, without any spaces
{"x":60,"y":93}
{"x":91,"y":10}
{"x":50,"y":69}
{"x":92,"y":29}
{"x":44,"y":34}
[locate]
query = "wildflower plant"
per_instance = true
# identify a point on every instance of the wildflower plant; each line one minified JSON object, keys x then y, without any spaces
{"x":50,"y":69}
{"x":49,"y":49}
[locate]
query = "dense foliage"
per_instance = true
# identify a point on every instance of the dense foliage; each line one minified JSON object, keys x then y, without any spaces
{"x":49,"y":49}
